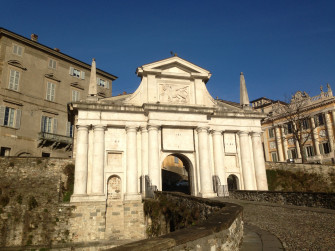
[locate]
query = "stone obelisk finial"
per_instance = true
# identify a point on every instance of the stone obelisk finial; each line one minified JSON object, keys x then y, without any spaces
{"x":244,"y":99}
{"x":92,"y":89}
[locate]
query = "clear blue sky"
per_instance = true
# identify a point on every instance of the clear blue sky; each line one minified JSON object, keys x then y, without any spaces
{"x":281,"y":46}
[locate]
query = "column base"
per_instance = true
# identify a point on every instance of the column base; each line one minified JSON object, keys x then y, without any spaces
{"x":132,"y":197}
{"x":87,"y":197}
{"x":208,"y":195}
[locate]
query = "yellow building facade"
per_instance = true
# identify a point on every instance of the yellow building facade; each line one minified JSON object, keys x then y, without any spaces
{"x":318,"y":129}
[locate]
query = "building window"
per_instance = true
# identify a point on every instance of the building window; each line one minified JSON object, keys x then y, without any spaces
{"x":176,"y":160}
{"x":292,"y":153}
{"x":324,"y":148}
{"x":274,"y":156}
{"x":77,"y":73}
{"x":289,"y":128}
{"x":103,"y":83}
{"x":69,"y":129}
{"x":271,"y":132}
{"x":17,"y":50}
{"x":319,"y":119}
{"x":14,"y":78}
{"x":49,"y":124}
{"x":305,"y":124}
{"x":310,"y":151}
{"x":75,"y":95}
{"x":5,"y":151}
{"x":52,"y":63}
{"x":10,"y":117}
{"x":50,"y":91}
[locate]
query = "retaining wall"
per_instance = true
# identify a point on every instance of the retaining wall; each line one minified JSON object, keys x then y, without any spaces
{"x":222,"y":228}
{"x":322,"y":200}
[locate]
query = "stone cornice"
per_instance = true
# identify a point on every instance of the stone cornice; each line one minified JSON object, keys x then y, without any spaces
{"x":45,"y":49}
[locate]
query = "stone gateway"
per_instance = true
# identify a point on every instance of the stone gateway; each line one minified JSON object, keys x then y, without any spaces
{"x":122,"y":141}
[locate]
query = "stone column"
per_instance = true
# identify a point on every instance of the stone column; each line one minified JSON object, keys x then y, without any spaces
{"x":329,"y":131}
{"x":131,"y":158}
{"x":246,"y":161}
{"x":205,"y":173}
{"x":219,"y":156}
{"x":80,"y":174}
{"x":266,"y":146}
{"x":259,"y":163}
{"x":98,"y":160}
{"x":144,"y":155}
{"x":333,"y":117}
{"x":284,"y":139}
{"x":154,"y":165}
{"x":315,"y":137}
{"x":279,"y":145}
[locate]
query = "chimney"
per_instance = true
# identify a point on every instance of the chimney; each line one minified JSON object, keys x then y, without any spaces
{"x":34,"y":37}
{"x":56,"y":49}
{"x":124,"y":93}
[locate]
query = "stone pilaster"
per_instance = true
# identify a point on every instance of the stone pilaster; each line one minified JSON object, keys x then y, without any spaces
{"x":144,"y":156}
{"x":284,"y":140}
{"x":333,"y":117}
{"x":315,"y":137}
{"x":248,"y":174}
{"x":329,"y":131}
{"x":131,"y":158}
{"x":259,"y":163}
{"x":206,"y":183}
{"x":219,"y":156}
{"x":279,"y":145}
{"x":154,"y":165}
{"x":97,"y":187}
{"x":80,"y":174}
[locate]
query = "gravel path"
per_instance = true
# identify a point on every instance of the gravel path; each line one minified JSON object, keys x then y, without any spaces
{"x":298,"y":228}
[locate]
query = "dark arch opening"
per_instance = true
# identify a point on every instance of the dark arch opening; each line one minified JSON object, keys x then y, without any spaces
{"x":232,"y":182}
{"x":176,"y":174}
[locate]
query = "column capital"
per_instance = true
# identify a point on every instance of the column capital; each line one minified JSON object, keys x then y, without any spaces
{"x":131,"y":128}
{"x":82,"y":127}
{"x":243,"y":133}
{"x":202,"y":129}
{"x":255,"y":134}
{"x":153,"y":127}
{"x":99,"y":127}
{"x":144,"y":128}
{"x":216,"y":132}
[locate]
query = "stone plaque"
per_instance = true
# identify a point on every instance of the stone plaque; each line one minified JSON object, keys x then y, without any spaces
{"x":114,"y":160}
{"x":114,"y":188}
{"x":230,"y":162}
{"x":178,"y":139}
{"x":174,"y":93}
{"x":230,"y":143}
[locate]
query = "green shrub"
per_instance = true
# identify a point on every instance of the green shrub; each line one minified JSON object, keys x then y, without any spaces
{"x":32,"y":203}
{"x":4,"y":200}
{"x":68,"y":191}
{"x":19,"y":199}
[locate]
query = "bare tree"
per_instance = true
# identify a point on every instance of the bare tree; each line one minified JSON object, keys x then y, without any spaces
{"x":298,"y":121}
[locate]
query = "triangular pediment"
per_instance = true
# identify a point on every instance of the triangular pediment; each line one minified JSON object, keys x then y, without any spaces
{"x":173,"y":65}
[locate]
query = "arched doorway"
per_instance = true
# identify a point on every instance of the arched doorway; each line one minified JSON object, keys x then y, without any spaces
{"x":176,"y":175}
{"x":232,"y":182}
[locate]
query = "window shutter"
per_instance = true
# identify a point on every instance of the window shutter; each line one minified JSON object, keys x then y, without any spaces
{"x":98,"y":81}
{"x":52,"y":92}
{"x":50,"y":63}
{"x":42,"y":123}
{"x":71,"y":71}
{"x":19,"y":51}
{"x":2,"y":114}
{"x":18,"y":119}
{"x":82,"y":75}
{"x":107,"y":84}
{"x":321,"y":148}
{"x":73,"y":96}
{"x":55,"y":126}
{"x":11,"y":79}
{"x":15,"y":49}
{"x":16,"y":82}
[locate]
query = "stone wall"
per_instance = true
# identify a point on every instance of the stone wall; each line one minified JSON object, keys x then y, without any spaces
{"x":222,"y":228}
{"x":324,"y":170}
{"x":322,"y":200}
{"x":30,"y":192}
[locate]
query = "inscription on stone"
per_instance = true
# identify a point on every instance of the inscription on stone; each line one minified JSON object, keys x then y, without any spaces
{"x":170,"y":93}
{"x":229,"y":143}
{"x":114,"y":160}
{"x":178,"y":139}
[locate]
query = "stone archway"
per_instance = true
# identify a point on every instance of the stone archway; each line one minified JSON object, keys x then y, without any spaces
{"x":233,"y":182}
{"x":176,"y":173}
{"x":114,"y":189}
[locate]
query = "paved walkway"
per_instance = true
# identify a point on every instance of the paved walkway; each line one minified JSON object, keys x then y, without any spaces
{"x":297,"y":228}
